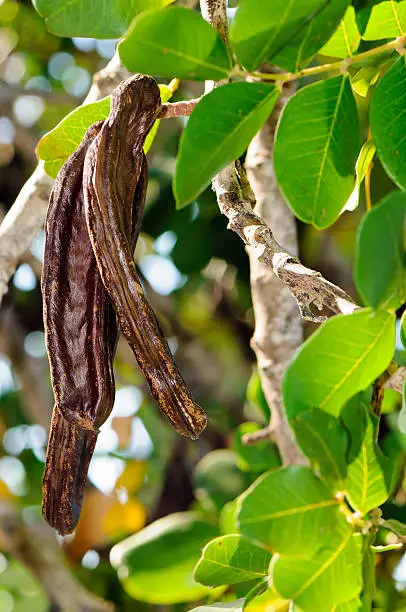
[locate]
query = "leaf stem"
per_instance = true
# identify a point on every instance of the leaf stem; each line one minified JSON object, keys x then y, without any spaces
{"x":342,"y":65}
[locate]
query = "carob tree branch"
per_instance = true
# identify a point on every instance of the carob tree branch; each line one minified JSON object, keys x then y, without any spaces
{"x":34,"y":544}
{"x":278,"y":326}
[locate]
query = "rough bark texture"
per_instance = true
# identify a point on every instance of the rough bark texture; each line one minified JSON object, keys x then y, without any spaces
{"x":278,"y":324}
{"x":35,"y":546}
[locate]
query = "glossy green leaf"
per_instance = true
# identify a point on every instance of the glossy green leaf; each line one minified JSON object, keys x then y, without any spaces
{"x":324,"y":441}
{"x":256,"y":396}
{"x":58,"y":144}
{"x":288,"y":33}
{"x":353,"y":605}
{"x":316,"y":146}
{"x":90,"y":18}
{"x":228,"y":518}
{"x":344,"y":356}
{"x":172,"y":543}
{"x":287,"y":510}
{"x":353,"y":417}
{"x":329,"y":578}
{"x":174,"y":42}
{"x":364,"y":160}
{"x":256,"y":457}
{"x":380,"y":260}
{"x":231,"y":559}
{"x":388,"y":121}
{"x":369,"y":475}
{"x":346,"y":39}
{"x":219,"y":130}
{"x":387,"y":20}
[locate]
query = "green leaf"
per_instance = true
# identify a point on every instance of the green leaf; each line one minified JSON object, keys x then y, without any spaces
{"x":58,"y":144}
{"x":353,"y":416}
{"x":388,"y":121}
{"x":285,"y":510}
{"x":231,"y":606}
{"x":231,"y":559}
{"x":316,"y":146}
{"x":324,"y":441}
{"x":403,"y":329}
{"x":89,"y":18}
{"x":380,"y":259}
{"x":353,"y":605}
{"x":256,"y":396}
{"x":344,"y":356}
{"x":368,"y":572}
{"x":396,"y":527}
{"x":346,"y":39}
{"x":387,"y":548}
{"x":329,"y":578}
{"x":369,"y":475}
{"x":364,"y":160}
{"x":219,"y":130}
{"x":174,"y":42}
{"x":257,"y":457}
{"x":218,"y":480}
{"x":387,"y":20}
{"x":228,"y":518}
{"x":173,"y":543}
{"x":289,"y":33}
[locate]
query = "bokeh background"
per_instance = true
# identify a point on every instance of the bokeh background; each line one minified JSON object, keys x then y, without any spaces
{"x":197,"y":278}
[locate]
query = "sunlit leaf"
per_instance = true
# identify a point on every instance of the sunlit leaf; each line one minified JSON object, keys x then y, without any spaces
{"x":330,"y":577}
{"x":58,"y":144}
{"x":174,"y":42}
{"x":369,"y":475}
{"x":288,"y":33}
{"x":219,"y":130}
{"x":344,"y":356}
{"x":345,"y":40}
{"x":380,"y":260}
{"x":90,"y":18}
{"x":324,"y":441}
{"x":231,"y":559}
{"x":316,"y":146}
{"x":173,"y":543}
{"x":287,"y":510}
{"x":388,"y":121}
{"x":387,"y":20}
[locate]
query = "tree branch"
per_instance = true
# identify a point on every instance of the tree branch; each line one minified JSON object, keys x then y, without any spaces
{"x":26,"y":217}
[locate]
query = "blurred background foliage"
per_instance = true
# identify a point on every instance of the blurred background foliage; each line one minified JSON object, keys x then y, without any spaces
{"x":197,"y":276}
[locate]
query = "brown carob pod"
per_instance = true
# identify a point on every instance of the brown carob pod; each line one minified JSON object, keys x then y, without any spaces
{"x":115,"y":152}
{"x":81,"y":333}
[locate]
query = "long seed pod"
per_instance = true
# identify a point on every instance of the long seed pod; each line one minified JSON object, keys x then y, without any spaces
{"x":81,"y":334}
{"x":135,"y":106}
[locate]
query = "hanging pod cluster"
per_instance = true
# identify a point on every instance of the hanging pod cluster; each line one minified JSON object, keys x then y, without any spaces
{"x":90,"y":288}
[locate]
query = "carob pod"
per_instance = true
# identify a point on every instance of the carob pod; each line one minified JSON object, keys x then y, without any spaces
{"x":81,"y":334}
{"x":118,"y":149}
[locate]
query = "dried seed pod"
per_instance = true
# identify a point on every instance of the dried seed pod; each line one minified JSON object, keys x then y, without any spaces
{"x":116,"y":151}
{"x":81,"y":334}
